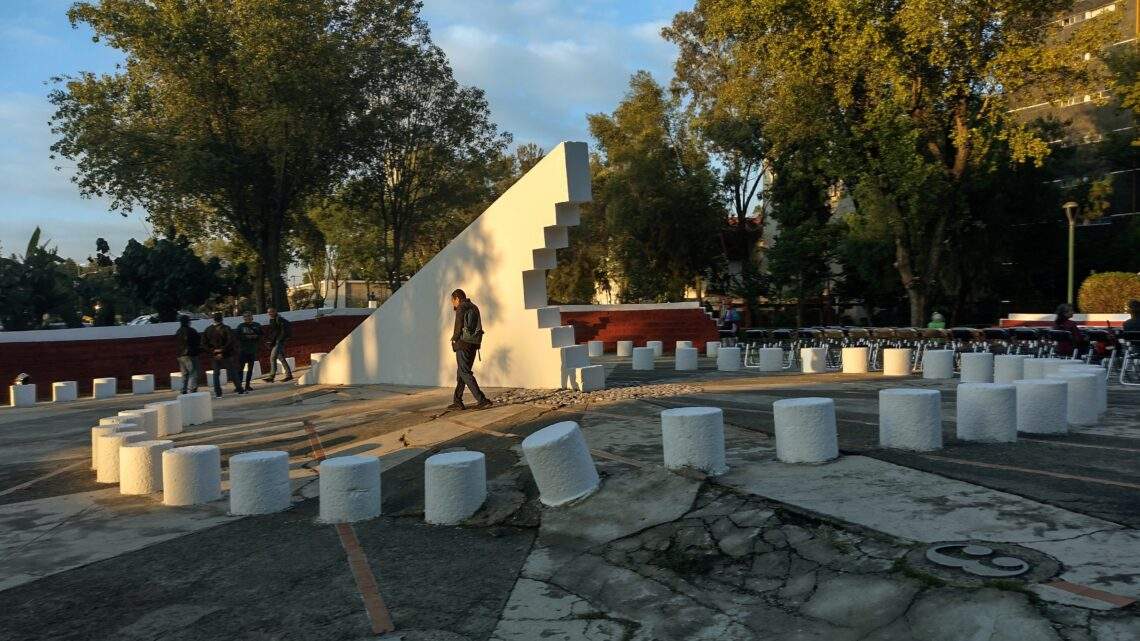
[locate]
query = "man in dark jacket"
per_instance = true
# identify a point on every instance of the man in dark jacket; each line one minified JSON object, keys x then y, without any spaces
{"x":221,"y":344}
{"x":465,"y":341}
{"x":189,"y":346}
{"x":249,"y":337}
{"x":276,"y":333}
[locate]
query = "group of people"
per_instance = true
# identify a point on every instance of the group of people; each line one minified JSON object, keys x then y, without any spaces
{"x":232,"y":350}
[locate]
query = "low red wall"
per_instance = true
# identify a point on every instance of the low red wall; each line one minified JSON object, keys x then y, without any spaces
{"x":666,"y":325}
{"x":83,"y":360}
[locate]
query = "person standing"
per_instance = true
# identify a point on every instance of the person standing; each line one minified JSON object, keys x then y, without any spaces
{"x":276,"y":333}
{"x":249,"y":337}
{"x":466,"y":338}
{"x":221,"y":343}
{"x":1133,"y":324}
{"x":189,"y":343}
{"x":1075,"y":345}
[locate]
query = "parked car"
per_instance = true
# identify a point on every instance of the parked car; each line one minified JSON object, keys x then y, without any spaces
{"x":147,"y":319}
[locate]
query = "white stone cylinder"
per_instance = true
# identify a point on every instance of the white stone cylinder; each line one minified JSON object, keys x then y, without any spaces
{"x":625,"y":348}
{"x":711,"y":348}
{"x":107,"y":467}
{"x":694,"y":437}
{"x":1042,"y":406}
{"x":140,"y":466}
{"x":1009,"y":368}
{"x":1101,"y":382}
{"x":22,"y":395}
{"x":686,"y":358}
{"x":976,"y":367}
{"x":896,"y":362}
{"x":197,"y":408}
{"x":223,"y":377}
{"x":176,"y":381}
{"x":103,"y":429}
{"x":805,"y":430}
{"x":1083,"y":401}
{"x":1054,"y":365}
{"x":292,"y":362}
{"x":854,"y":360}
{"x":104,"y":387}
{"x":938,"y":364}
{"x":595,"y":348}
{"x":769,"y":359}
{"x":987,"y":412}
{"x":643,"y":358}
{"x":455,"y":486}
{"x":64,"y":391}
{"x":146,"y":418}
{"x":657,"y":346}
{"x":560,"y":462}
{"x":350,"y":489}
{"x":257,"y":369}
{"x":315,"y":357}
{"x":813,"y":360}
{"x":728,"y":359}
{"x":115,"y":420}
{"x":169,"y":416}
{"x":682,"y":345}
{"x":590,"y":378}
{"x":259,"y":482}
{"x":142,"y":384}
{"x":191,"y":475}
{"x":1033,"y":368}
{"x":910,"y":419}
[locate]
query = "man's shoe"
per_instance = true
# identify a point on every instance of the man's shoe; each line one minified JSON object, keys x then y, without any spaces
{"x":269,"y":379}
{"x":217,"y":395}
{"x":484,"y":404}
{"x":287,"y":378}
{"x":248,"y":388}
{"x":456,"y":406}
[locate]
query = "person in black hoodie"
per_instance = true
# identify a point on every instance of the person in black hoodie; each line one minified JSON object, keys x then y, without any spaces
{"x":276,"y":333}
{"x":249,"y":338}
{"x":222,"y":345}
{"x":465,"y":341}
{"x":189,"y":346}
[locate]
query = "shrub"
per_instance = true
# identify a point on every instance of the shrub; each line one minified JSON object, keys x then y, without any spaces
{"x":1108,"y":292}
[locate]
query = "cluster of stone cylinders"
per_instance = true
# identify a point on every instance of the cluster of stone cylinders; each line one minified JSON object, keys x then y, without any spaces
{"x":68,"y":391}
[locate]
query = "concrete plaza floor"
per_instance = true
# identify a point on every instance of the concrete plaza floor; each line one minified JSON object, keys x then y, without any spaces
{"x":767,"y":551}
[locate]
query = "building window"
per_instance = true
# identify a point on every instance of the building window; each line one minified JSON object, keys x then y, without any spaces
{"x":1092,"y":13}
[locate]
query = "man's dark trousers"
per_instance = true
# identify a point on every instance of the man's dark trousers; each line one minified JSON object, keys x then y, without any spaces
{"x":464,"y":377}
{"x":235,"y":378}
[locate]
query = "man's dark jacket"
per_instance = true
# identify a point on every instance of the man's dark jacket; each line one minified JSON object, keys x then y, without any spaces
{"x":189,"y":341}
{"x":468,"y":332}
{"x":220,"y":341}
{"x":278,"y":330}
{"x":249,"y":334}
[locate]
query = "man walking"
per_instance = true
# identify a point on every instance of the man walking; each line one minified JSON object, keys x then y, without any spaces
{"x":276,"y":333}
{"x":189,"y":343}
{"x":465,"y":341}
{"x":249,"y":337}
{"x":221,"y":343}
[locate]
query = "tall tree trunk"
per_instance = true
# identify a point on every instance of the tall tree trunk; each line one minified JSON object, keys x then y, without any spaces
{"x":258,"y":292}
{"x":271,"y":264}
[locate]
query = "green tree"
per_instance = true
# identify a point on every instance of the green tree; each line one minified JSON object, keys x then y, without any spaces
{"x":37,"y":286}
{"x":167,"y":275}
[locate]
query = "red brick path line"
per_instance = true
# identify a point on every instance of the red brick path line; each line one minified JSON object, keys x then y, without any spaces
{"x":1085,"y":591}
{"x":374,"y":607}
{"x":1056,"y":475}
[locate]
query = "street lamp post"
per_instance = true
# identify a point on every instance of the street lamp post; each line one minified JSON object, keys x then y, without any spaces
{"x":1071,"y":208}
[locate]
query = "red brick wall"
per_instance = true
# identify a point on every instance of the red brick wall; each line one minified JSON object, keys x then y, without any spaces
{"x":667,"y":325}
{"x":50,"y":361}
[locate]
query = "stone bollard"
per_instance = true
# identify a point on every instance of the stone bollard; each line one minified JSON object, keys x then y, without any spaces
{"x":590,"y":378}
{"x":1054,"y":365}
{"x":107,"y":467}
{"x":455,"y":486}
{"x":1033,"y":368}
{"x":1042,"y":406}
{"x":146,"y":418}
{"x":257,"y":369}
{"x":854,"y":360}
{"x":104,"y":387}
{"x":292,"y":363}
{"x":711,"y":348}
{"x":140,"y":466}
{"x":728,"y":359}
{"x":910,"y":419}
{"x":259,"y":482}
{"x":197,"y":408}
{"x":350,"y":489}
{"x":115,"y":420}
{"x":938,"y":364}
{"x":169,"y":416}
{"x":682,"y":345}
{"x":643,"y":358}
{"x":316,"y":357}
{"x":813,"y":360}
{"x":191,"y":475}
{"x":769,"y":359}
{"x":658,"y":348}
{"x":805,"y":430}
{"x":693,"y":437}
{"x":1082,"y":396}
{"x":142,"y":384}
{"x":686,"y":358}
{"x":223,"y":377}
{"x":1009,"y":368}
{"x":987,"y":412}
{"x":22,"y":395}
{"x":976,"y":367}
{"x":560,"y":462}
{"x":64,"y":391}
{"x":896,"y":362}
{"x":595,"y":348}
{"x":625,"y":348}
{"x":103,"y":429}
{"x":1101,"y":382}
{"x":176,"y":381}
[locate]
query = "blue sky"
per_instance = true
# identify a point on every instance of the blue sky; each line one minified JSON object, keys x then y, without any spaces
{"x":544,"y":64}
